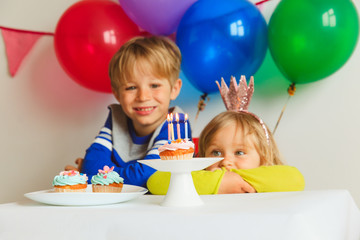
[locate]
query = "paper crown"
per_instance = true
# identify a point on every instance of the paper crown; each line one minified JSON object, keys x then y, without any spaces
{"x":237,"y":97}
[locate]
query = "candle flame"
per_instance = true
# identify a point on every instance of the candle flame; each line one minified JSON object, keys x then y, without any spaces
{"x":186,"y":117}
{"x":171,"y":117}
{"x":168,"y":117}
{"x":177,"y":117}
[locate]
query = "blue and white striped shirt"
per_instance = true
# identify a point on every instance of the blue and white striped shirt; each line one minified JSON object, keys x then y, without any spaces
{"x":117,"y":145}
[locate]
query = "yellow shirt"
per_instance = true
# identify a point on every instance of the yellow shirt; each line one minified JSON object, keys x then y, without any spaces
{"x":278,"y":178}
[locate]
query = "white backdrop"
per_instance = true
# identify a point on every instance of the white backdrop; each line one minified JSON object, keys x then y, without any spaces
{"x":47,"y":120}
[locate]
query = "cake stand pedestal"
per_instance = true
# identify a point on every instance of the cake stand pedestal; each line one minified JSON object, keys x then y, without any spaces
{"x":181,"y":192}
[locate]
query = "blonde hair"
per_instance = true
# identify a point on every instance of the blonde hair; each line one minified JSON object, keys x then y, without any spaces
{"x":251,"y":127}
{"x":159,"y":54}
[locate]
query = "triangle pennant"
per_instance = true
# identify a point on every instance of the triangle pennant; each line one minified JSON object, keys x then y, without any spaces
{"x":17,"y":45}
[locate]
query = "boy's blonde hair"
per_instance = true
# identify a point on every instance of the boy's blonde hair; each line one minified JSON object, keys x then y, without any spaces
{"x":251,"y":127}
{"x":159,"y":54}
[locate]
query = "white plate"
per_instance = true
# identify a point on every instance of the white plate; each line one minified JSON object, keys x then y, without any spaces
{"x":180,"y":165}
{"x":87,"y":198}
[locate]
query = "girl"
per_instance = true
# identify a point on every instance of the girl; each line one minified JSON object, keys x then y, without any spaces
{"x":251,"y":158}
{"x":240,"y":139}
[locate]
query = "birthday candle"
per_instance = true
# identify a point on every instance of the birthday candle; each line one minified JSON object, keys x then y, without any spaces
{"x":169,"y":130}
{"x":186,"y":129}
{"x":172,"y":126}
{"x":177,"y":125}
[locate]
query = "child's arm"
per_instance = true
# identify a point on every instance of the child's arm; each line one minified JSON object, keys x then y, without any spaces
{"x":206,"y":182}
{"x":277,"y":178}
{"x":262,"y":179}
{"x":234,"y":183}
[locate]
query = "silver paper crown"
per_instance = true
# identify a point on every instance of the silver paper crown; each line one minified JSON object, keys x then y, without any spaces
{"x":237,"y":97}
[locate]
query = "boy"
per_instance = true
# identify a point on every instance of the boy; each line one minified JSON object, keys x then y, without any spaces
{"x":144,"y":77}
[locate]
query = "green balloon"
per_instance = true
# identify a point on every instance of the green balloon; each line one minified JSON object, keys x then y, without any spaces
{"x":311,"y":39}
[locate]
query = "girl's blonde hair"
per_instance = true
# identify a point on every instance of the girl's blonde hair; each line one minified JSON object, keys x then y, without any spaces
{"x":251,"y":127}
{"x":159,"y":54}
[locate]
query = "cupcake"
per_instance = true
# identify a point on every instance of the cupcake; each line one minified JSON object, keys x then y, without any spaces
{"x":177,"y":150}
{"x":70,"y":181}
{"x":107,"y":181}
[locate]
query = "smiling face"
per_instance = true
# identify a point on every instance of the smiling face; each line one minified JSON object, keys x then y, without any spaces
{"x":238,"y":151}
{"x":145,"y":98}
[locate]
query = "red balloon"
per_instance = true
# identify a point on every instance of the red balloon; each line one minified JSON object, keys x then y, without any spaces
{"x":86,"y":37}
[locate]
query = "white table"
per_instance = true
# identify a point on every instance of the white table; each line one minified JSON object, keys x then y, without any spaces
{"x":327,"y":214}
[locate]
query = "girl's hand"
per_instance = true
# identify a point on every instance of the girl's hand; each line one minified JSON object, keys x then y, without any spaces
{"x":234,"y":183}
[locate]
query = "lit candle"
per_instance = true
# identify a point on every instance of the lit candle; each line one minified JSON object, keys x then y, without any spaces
{"x":177,"y":125}
{"x":172,"y":126}
{"x":169,"y":130}
{"x":186,"y":128}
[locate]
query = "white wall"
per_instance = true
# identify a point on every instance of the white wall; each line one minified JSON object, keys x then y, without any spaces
{"x":47,"y":120}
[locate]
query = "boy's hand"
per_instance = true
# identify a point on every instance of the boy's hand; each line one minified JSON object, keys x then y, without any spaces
{"x":78,"y":162}
{"x":234,"y":183}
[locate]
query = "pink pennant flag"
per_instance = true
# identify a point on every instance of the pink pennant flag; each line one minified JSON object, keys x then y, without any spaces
{"x":17,"y":44}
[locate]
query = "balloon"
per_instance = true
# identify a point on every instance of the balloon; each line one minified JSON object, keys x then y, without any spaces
{"x":86,"y":37}
{"x":311,"y":39}
{"x":221,"y":39}
{"x":159,"y":17}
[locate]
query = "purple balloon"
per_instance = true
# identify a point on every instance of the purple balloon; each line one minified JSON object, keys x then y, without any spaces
{"x":159,"y":17}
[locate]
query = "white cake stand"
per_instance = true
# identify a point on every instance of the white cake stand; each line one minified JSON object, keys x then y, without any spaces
{"x":181,"y":192}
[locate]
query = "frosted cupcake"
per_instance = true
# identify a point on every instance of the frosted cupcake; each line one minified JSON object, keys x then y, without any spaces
{"x":70,"y":181}
{"x":107,"y":181}
{"x":177,"y":150}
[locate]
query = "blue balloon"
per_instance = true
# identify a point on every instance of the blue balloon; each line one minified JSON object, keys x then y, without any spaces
{"x":221,"y":39}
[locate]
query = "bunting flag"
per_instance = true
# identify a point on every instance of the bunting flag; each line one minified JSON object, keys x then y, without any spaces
{"x":17,"y":45}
